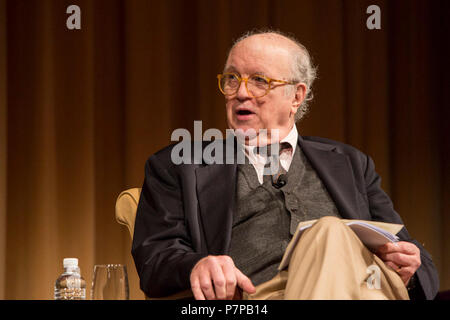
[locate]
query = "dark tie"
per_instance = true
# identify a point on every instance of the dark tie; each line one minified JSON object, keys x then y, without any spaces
{"x":273,"y":166}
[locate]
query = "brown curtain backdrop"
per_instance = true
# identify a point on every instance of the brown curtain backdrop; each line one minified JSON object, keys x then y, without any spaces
{"x":81,"y":111}
{"x":3,"y":147}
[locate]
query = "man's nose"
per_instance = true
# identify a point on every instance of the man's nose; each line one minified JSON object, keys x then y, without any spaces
{"x":242,"y":92}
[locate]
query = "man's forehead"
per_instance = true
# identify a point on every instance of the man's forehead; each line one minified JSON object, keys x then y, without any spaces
{"x":269,"y":39}
{"x":259,"y":50}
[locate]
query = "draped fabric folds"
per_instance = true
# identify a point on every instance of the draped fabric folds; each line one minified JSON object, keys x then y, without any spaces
{"x":81,"y":110}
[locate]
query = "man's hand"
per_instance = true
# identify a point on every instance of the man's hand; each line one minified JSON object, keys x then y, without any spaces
{"x":403,"y":257}
{"x":216,"y":277}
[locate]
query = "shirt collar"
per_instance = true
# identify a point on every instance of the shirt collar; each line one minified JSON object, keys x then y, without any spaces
{"x":291,"y":138}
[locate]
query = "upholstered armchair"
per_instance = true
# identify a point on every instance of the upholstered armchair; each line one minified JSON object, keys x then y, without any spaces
{"x":126,"y":206}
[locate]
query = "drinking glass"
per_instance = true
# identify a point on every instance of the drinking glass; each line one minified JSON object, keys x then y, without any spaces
{"x":110,"y":282}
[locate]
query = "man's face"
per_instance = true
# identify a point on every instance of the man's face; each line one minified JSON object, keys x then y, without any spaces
{"x":276,"y":110}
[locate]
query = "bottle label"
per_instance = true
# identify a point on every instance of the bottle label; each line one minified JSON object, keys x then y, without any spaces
{"x":73,"y":283}
{"x":70,"y":288}
{"x":71,"y":294}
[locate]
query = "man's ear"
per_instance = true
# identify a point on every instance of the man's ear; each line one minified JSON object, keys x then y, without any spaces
{"x":299,"y":96}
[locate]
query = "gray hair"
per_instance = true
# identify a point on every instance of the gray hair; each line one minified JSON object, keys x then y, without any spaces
{"x":303,"y":69}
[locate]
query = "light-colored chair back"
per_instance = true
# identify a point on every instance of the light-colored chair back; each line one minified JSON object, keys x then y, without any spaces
{"x":126,"y":207}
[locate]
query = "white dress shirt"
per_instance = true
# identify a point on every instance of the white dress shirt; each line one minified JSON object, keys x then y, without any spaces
{"x":259,"y":161}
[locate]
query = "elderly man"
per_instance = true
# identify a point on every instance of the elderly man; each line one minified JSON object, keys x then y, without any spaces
{"x":221,"y":230}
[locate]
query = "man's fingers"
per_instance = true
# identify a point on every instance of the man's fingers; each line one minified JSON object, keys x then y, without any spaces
{"x":216,"y":277}
{"x":244,"y":282}
{"x":213,"y":277}
{"x":403,"y":257}
{"x":219,"y":282}
{"x":401,"y":246}
{"x":392,"y":265}
{"x":230,"y":276}
{"x":405,"y":273}
{"x":399,"y":259}
{"x":196,"y":290}
{"x":206,"y":286}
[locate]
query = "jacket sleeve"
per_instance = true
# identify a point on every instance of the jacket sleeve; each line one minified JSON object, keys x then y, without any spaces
{"x":161,"y":248}
{"x":381,"y":209}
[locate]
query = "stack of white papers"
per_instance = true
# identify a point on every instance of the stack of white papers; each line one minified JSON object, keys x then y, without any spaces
{"x":372,"y":233}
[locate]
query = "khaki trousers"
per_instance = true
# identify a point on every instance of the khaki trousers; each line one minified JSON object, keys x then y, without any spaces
{"x":330,"y":262}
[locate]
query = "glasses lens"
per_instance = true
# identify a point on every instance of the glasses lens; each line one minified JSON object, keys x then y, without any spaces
{"x":258,"y":85}
{"x":229,"y":83}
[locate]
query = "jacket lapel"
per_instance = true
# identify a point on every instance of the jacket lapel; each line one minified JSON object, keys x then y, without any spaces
{"x":335,"y":171}
{"x":216,"y":185}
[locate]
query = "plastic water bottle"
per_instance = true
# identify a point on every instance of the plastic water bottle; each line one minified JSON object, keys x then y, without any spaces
{"x":70,"y":285}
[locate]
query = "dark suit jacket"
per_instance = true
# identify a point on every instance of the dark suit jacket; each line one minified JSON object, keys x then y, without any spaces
{"x":185,"y":212}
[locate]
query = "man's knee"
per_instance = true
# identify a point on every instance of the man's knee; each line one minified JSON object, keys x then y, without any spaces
{"x":329,"y":222}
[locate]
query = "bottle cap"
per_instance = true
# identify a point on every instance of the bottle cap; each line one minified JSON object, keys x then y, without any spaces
{"x":70,"y":262}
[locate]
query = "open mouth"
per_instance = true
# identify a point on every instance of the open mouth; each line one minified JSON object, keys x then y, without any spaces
{"x":244,"y":112}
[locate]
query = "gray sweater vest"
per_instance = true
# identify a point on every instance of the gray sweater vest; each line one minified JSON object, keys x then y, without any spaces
{"x":266,"y":218}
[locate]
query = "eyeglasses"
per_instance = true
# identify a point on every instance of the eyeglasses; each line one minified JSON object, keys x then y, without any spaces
{"x":257,"y":85}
